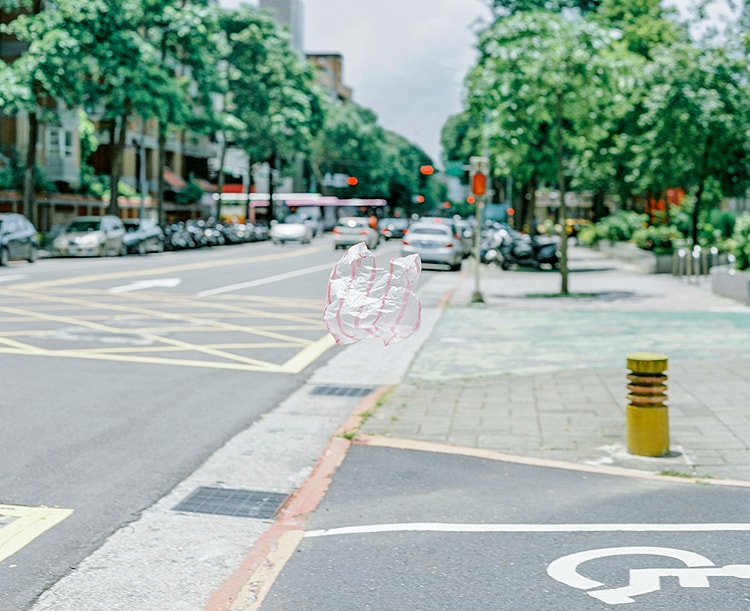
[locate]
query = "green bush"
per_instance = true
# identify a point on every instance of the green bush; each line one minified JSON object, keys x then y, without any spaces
{"x":660,"y":239}
{"x":741,"y":241}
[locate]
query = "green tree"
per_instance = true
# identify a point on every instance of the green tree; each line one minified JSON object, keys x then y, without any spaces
{"x":46,"y":73}
{"x":505,"y":8}
{"x":272,"y":91}
{"x":540,"y":82}
{"x":695,"y":125}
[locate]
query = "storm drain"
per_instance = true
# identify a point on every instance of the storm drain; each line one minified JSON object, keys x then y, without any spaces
{"x":341,"y":391}
{"x":233,"y":502}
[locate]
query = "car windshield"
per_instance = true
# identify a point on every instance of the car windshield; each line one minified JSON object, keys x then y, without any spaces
{"x":441,"y":231}
{"x":294,"y":218}
{"x":131,"y":226}
{"x":84,"y":225}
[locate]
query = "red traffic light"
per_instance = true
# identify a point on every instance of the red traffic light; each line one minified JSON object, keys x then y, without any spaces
{"x":351,"y":181}
{"x":479,"y":184}
{"x":427,"y":170}
{"x":470,"y":200}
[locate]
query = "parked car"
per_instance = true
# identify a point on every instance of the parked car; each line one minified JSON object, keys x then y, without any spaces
{"x":434,"y":243}
{"x":351,"y":230}
{"x":393,"y":228}
{"x":91,"y":236}
{"x":294,"y":228}
{"x":18,"y":238}
{"x":143,"y":236}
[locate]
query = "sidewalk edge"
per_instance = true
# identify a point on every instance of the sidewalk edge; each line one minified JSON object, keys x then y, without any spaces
{"x":401,"y":443}
{"x":247,"y":587}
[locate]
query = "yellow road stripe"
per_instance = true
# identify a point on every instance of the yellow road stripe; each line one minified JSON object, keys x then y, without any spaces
{"x":306,"y":356}
{"x":26,"y":525}
{"x":156,"y":271}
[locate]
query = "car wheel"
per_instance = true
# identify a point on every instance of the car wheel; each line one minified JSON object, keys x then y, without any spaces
{"x":32,"y":254}
{"x":4,"y":256}
{"x":141,"y":248}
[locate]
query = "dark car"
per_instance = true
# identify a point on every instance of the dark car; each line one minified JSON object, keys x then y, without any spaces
{"x":18,"y":238}
{"x":391,"y":228}
{"x":143,"y":236}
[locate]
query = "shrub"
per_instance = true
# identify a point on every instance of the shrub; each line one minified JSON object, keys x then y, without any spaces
{"x":741,"y":241}
{"x":660,"y":239}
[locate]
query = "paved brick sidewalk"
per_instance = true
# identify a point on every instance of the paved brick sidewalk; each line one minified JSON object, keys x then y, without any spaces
{"x":542,"y":376}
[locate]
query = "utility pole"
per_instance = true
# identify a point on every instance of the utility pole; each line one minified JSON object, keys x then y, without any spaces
{"x":478,"y":170}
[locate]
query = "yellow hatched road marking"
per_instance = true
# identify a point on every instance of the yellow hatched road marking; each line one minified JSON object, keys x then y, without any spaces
{"x":156,"y":271}
{"x":26,"y":524}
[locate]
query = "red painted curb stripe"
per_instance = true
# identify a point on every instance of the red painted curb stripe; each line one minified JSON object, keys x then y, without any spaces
{"x":292,"y":514}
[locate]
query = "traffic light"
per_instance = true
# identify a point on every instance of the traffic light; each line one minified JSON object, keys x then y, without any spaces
{"x":470,"y":199}
{"x":478,"y":167}
{"x":427,"y":170}
{"x":352,"y":181}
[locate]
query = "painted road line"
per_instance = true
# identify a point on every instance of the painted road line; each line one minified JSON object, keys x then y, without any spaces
{"x":261,"y":281}
{"x":172,"y":269}
{"x":12,"y":277}
{"x":25,"y":525}
{"x":526,"y":528}
{"x":140,"y":285}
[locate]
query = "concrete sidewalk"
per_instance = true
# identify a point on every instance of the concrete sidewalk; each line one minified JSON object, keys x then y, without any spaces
{"x":532,"y":373}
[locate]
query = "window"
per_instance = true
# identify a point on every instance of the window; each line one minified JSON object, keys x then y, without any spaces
{"x":59,"y":142}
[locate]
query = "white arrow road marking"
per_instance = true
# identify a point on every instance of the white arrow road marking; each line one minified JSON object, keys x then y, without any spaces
{"x":12,"y":277}
{"x":139,"y":285}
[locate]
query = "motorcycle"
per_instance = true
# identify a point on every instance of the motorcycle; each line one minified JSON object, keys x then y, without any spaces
{"x":523,"y":250}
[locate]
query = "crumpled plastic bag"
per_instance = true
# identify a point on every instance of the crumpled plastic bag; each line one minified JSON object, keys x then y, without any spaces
{"x":367,"y":302}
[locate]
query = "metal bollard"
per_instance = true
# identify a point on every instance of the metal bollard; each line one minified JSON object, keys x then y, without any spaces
{"x":646,"y":414}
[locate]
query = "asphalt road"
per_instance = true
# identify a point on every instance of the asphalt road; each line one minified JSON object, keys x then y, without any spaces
{"x":401,"y":529}
{"x":122,"y":375}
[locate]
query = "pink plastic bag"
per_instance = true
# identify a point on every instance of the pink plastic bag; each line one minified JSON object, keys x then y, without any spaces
{"x":364,"y":301}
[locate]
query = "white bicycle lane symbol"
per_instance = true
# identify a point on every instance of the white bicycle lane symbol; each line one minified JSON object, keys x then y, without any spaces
{"x":642,"y":581}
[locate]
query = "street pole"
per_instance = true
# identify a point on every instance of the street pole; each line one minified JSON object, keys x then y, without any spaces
{"x":142,"y":172}
{"x":476,"y":297}
{"x":478,"y":179}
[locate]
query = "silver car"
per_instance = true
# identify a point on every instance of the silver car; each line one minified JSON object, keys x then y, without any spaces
{"x":434,"y":243}
{"x":351,"y":230}
{"x":91,"y":236}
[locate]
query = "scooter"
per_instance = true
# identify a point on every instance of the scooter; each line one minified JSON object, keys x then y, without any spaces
{"x":523,"y":250}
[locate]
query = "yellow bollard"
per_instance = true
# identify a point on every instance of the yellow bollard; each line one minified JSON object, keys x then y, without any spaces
{"x":647,"y":418}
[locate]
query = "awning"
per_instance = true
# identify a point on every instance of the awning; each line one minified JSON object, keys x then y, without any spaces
{"x":207,"y":186}
{"x":175,"y":181}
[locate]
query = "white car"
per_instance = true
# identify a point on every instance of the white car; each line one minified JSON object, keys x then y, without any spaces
{"x":91,"y":236}
{"x":434,"y":243}
{"x":294,"y":228}
{"x":351,"y":230}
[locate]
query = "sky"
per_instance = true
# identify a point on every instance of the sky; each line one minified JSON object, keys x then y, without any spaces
{"x":404,"y":59}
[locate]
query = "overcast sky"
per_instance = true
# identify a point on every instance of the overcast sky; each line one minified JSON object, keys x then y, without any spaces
{"x":404,"y":59}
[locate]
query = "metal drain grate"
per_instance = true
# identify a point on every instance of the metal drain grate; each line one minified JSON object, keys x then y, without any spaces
{"x":341,"y":391}
{"x":233,"y":502}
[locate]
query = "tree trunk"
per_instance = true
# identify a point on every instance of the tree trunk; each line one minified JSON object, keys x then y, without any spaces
{"x":161,"y":163}
{"x":29,"y":174}
{"x":248,"y":190}
{"x":220,"y":178}
{"x":563,"y":209}
{"x":115,"y":165}
{"x":271,"y":170}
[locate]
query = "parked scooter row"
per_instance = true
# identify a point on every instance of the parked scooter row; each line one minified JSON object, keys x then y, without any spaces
{"x":503,"y":246}
{"x":206,"y":233}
